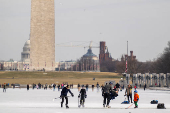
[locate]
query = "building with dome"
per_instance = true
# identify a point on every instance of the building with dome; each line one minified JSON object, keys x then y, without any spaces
{"x":25,"y":55}
{"x":23,"y":64}
{"x":88,"y":62}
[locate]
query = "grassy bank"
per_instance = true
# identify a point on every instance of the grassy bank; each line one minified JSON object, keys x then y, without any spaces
{"x":57,"y":77}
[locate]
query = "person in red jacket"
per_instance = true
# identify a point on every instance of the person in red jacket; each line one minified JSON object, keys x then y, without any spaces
{"x":136,"y":98}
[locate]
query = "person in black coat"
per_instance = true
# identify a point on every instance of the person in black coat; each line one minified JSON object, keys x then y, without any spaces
{"x":117,"y":86}
{"x":63,"y":95}
{"x":93,"y":87}
{"x":27,"y":87}
{"x":82,"y":96}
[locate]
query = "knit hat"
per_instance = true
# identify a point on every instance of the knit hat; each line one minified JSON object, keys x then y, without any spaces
{"x":136,"y":91}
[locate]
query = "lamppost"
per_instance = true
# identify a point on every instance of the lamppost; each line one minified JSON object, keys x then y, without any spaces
{"x":127,"y":78}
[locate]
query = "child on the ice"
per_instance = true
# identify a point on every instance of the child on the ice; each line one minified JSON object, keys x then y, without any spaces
{"x":136,"y":98}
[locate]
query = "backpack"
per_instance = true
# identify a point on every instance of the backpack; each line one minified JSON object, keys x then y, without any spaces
{"x":154,"y":102}
{"x":161,"y":106}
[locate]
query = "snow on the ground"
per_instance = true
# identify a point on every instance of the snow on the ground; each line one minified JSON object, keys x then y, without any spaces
{"x":41,"y":101}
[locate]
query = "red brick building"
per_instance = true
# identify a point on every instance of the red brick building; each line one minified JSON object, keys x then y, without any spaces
{"x":104,"y":54}
{"x":131,"y":57}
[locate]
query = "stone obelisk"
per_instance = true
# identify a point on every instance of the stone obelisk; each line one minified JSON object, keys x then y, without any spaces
{"x":42,"y":35}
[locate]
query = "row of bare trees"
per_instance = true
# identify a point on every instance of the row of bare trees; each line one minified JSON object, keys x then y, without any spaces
{"x":159,"y":65}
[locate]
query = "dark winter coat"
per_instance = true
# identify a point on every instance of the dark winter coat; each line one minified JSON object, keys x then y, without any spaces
{"x":117,"y":85}
{"x":83,"y":92}
{"x":128,"y":91}
{"x":108,"y":89}
{"x":65,"y":91}
{"x":27,"y":86}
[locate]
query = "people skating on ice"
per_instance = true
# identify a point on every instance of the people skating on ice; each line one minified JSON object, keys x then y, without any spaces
{"x":63,"y":95}
{"x":106,"y":92}
{"x":136,"y":98}
{"x":128,"y":92}
{"x":82,"y":95}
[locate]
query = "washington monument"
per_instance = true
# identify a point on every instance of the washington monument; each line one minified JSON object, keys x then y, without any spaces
{"x":42,"y":35}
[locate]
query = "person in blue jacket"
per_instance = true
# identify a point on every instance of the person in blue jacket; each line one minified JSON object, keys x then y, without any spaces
{"x":63,"y":95}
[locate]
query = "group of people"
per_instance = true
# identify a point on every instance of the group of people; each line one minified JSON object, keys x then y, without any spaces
{"x":4,"y":87}
{"x":107,"y":92}
{"x":128,"y":93}
{"x":82,"y":95}
{"x":51,"y":86}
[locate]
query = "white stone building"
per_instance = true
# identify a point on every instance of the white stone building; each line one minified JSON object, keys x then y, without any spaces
{"x":23,"y":64}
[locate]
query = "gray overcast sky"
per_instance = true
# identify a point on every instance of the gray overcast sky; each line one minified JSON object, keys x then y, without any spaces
{"x":144,"y":23}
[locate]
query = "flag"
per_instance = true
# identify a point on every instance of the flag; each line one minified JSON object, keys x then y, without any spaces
{"x":126,"y":66}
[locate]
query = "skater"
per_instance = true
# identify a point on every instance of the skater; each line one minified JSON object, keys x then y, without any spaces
{"x":78,"y":86}
{"x":93,"y":87}
{"x":63,"y":95}
{"x":103,"y":90}
{"x":54,"y":85}
{"x":128,"y":92}
{"x":27,"y":87}
{"x":82,"y":95}
{"x":37,"y":86}
{"x":117,"y":86}
{"x":13,"y":86}
{"x":33,"y":86}
{"x":106,"y":92}
{"x":136,"y":98}
{"x":58,"y":87}
{"x":97,"y":85}
{"x":135,"y":87}
{"x":87,"y":87}
{"x":45,"y":87}
{"x":4,"y":88}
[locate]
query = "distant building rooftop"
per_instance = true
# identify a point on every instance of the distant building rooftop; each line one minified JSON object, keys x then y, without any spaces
{"x":89,"y":54}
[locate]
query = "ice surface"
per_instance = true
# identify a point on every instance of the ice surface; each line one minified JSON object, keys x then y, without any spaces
{"x":41,"y":101}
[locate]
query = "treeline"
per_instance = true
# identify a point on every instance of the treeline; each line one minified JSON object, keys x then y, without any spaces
{"x":159,"y":65}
